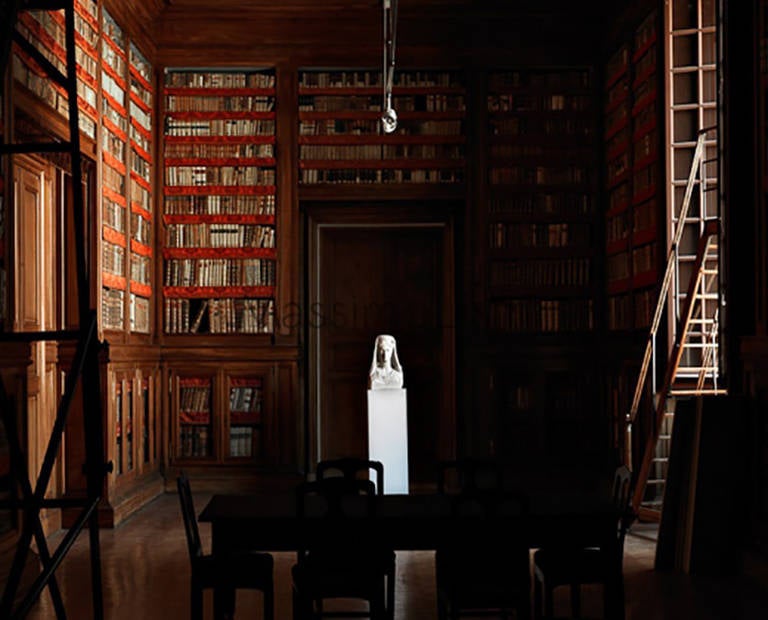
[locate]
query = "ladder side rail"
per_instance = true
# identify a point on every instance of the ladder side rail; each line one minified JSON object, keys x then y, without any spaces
{"x":50,"y":69}
{"x":668,"y":273}
{"x":50,"y":567}
{"x":31,"y":525}
{"x":674,"y":363}
{"x":86,"y":367}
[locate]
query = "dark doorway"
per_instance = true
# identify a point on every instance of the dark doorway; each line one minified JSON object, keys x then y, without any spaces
{"x":368,"y":278}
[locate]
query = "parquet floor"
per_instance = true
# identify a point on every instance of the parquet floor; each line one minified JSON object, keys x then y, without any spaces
{"x":146,"y":576}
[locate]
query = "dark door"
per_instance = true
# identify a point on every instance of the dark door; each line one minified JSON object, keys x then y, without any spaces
{"x":369,"y":279}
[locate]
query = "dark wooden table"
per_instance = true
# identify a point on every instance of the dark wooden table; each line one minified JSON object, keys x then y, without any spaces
{"x":422,"y":521}
{"x":417,"y":521}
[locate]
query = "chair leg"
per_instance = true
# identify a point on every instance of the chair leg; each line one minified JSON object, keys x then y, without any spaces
{"x":538,"y":602}
{"x":391,"y":592}
{"x":196,"y":602}
{"x":269,"y":602}
{"x":613,"y":598}
{"x":549,"y":606}
{"x":575,"y":600}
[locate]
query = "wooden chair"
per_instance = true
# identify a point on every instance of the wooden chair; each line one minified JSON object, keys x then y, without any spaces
{"x":224,"y":574}
{"x":577,"y":566}
{"x":334,"y":566}
{"x":477,"y":574}
{"x":352,"y":468}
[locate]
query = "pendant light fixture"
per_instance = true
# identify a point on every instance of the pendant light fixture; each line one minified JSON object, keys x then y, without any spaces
{"x":389,"y":116}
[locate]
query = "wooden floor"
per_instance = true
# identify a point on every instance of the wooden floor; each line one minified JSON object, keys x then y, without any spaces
{"x":146,"y":575}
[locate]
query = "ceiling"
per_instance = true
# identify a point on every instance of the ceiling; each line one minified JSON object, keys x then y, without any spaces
{"x":325,"y":30}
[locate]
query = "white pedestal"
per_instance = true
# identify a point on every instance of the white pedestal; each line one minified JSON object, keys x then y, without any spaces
{"x":388,"y":436}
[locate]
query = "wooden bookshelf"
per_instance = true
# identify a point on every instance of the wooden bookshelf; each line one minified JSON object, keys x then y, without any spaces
{"x":194,"y":404}
{"x":222,"y":415}
{"x":341,"y":140}
{"x":114,"y":155}
{"x":541,"y":223}
{"x":633,"y":174}
{"x":140,"y":107}
{"x":244,"y":414}
{"x":219,"y":246}
{"x":45,"y":30}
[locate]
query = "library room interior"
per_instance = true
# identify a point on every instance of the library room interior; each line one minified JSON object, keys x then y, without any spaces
{"x":405,"y":309}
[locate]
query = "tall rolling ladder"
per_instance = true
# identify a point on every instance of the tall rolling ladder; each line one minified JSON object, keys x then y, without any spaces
{"x":691,"y":290}
{"x":84,"y":372}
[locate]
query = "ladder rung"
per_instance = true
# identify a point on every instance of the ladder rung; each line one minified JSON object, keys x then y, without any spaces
{"x":699,"y":392}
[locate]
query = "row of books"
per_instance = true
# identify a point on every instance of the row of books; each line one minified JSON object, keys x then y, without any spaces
{"x":543,"y":272}
{"x":361,"y":175}
{"x":112,"y":214}
{"x":372,"y":127}
{"x":219,"y":79}
{"x":244,"y":441}
{"x":363,"y":78}
{"x":218,"y":175}
{"x":219,"y":316}
{"x":536,"y":234}
{"x":141,"y":228}
{"x":631,"y":310}
{"x":217,"y":150}
{"x":219,"y":235}
{"x":217,"y":103}
{"x":112,"y":308}
{"x":195,"y":403}
{"x":140,"y":318}
{"x":141,"y":268}
{"x":572,"y":127}
{"x":219,"y":272}
{"x":527,"y":102}
{"x":195,"y":441}
{"x":562,"y":204}
{"x":245,"y":398}
{"x":562,"y":79}
{"x":219,"y":127}
{"x":542,"y":315}
{"x":381,"y":151}
{"x":213,"y":204}
{"x":624,"y":264}
{"x":373,"y":103}
{"x":555,"y":174}
{"x":112,"y":258}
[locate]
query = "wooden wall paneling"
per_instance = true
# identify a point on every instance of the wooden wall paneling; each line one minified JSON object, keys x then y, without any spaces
{"x":15,"y":359}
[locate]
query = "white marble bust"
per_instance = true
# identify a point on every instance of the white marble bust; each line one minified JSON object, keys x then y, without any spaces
{"x":386,"y":372}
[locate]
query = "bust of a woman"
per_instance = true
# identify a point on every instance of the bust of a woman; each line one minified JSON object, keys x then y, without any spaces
{"x":386,"y":372}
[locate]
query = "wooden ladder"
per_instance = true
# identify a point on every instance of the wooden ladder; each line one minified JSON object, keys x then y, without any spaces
{"x":85,"y":369}
{"x":692,"y":365}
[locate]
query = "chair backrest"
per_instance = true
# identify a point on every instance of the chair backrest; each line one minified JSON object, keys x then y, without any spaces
{"x":622,"y":479}
{"x":351,"y":467}
{"x":329,"y":502}
{"x":469,"y":475}
{"x":622,"y":492}
{"x":194,"y":544}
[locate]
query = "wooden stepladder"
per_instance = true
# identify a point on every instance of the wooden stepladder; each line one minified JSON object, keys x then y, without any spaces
{"x":84,"y":373}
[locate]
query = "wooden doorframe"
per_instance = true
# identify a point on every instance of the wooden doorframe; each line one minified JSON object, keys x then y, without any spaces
{"x":318,"y":217}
